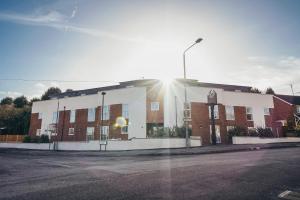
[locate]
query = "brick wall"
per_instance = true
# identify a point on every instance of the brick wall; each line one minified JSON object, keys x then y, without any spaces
{"x":155,"y":94}
{"x":201,"y":121}
{"x":35,"y":123}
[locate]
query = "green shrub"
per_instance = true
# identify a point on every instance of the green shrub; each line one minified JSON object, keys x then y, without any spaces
{"x":44,"y":139}
{"x":236,"y":131}
{"x":27,"y":139}
{"x":35,"y":139}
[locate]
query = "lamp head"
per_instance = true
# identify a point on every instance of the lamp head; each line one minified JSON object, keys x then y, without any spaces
{"x":198,"y":40}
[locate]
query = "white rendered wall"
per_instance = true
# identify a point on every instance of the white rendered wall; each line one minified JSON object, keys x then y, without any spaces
{"x":199,"y":94}
{"x":257,"y":140}
{"x":134,"y":97}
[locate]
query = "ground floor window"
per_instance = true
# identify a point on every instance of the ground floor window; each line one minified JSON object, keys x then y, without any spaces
{"x":90,"y":133}
{"x":104,"y":132}
{"x":38,"y":132}
{"x":71,"y":131}
{"x":218,"y":133}
{"x":124,"y":130}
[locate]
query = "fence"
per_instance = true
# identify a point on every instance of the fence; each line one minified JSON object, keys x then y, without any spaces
{"x":11,"y":138}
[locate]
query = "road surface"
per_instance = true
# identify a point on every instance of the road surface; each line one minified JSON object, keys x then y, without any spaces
{"x":240,"y":175}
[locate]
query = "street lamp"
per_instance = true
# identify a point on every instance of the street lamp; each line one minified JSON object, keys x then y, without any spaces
{"x":186,"y":106}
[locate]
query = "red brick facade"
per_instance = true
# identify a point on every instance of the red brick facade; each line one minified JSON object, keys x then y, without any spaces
{"x":201,"y":121}
{"x":35,"y":123}
{"x":81,"y":124}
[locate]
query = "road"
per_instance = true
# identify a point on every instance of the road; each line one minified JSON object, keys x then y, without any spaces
{"x":240,"y":175}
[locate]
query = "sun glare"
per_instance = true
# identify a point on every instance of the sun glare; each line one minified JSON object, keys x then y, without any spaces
{"x":166,"y":81}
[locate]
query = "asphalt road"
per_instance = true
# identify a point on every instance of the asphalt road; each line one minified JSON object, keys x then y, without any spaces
{"x":240,"y":175}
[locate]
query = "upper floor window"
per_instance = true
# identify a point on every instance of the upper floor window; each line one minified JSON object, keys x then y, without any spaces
{"x":249,"y":113}
{"x":216,"y":112}
{"x":40,"y":116}
{"x":125,"y":113}
{"x":54,"y":117}
{"x":155,"y":106}
{"x":229,"y":112}
{"x":90,"y":133}
{"x":266,"y":111}
{"x":91,"y":114}
{"x":106,"y":110}
{"x":72,"y":116}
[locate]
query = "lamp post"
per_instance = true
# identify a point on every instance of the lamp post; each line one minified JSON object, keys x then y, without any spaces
{"x":186,"y":106}
{"x":212,"y":100}
{"x":101,"y":128}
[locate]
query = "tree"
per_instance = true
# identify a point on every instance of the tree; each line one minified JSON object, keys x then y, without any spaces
{"x":6,"y":101}
{"x":50,"y":92}
{"x":255,"y":90}
{"x":69,"y":90}
{"x":20,"y":102}
{"x":269,"y":90}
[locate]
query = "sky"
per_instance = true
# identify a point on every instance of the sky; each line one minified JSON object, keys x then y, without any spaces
{"x":83,"y":44}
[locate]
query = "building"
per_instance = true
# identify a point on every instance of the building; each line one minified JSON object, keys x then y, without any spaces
{"x":146,"y":105}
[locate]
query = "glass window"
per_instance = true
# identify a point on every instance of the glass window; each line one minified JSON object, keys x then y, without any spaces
{"x":218,"y":133}
{"x":54,"y":117}
{"x":266,"y":111}
{"x":154,"y":106}
{"x":106,"y":110}
{"x":72,"y":116}
{"x":40,"y":115}
{"x":298,"y":109}
{"x":90,"y":133}
{"x":125,"y":111}
{"x":38,"y":132}
{"x":249,"y":113}
{"x":229,"y":112}
{"x":71,"y":131}
{"x":229,"y":128}
{"x":104,"y":132}
{"x":91,"y":114}
{"x":124,"y":130}
{"x":216,"y":112}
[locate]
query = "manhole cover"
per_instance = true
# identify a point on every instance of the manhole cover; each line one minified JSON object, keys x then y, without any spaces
{"x":289,"y":195}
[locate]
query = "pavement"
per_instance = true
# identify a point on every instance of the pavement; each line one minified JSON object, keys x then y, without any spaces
{"x":220,"y":148}
{"x":247,"y":174}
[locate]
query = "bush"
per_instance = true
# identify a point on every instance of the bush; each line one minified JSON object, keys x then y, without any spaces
{"x":44,"y":139}
{"x":27,"y":139}
{"x":236,"y":131}
{"x":167,"y":132}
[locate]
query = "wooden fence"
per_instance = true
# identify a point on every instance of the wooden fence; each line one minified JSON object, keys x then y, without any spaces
{"x":11,"y":138}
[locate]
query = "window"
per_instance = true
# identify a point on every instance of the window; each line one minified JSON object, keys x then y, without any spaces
{"x":229,"y":128}
{"x":40,"y":115}
{"x":124,"y":130}
{"x":249,"y":113}
{"x":216,"y":112}
{"x":105,"y":113}
{"x":90,"y":133}
{"x":298,"y":109}
{"x":38,"y":132}
{"x":104,"y":132}
{"x":91,"y":114}
{"x":72,"y":116}
{"x":71,"y":131}
{"x":125,"y":111}
{"x":154,"y":106}
{"x":218,"y":134}
{"x":229,"y":112}
{"x":266,"y":111}
{"x":54,"y":117}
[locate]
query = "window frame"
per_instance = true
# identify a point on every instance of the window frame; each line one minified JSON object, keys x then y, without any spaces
{"x":216,"y":112}
{"x":249,"y":113}
{"x":88,"y":135}
{"x":125,"y":111}
{"x":229,"y":115}
{"x":73,"y":132}
{"x":93,"y":115}
{"x":154,"y":106}
{"x":72,"y":111}
{"x":267,"y":113}
{"x":40,"y":115}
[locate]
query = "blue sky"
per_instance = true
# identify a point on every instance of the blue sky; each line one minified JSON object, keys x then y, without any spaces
{"x":252,"y":43}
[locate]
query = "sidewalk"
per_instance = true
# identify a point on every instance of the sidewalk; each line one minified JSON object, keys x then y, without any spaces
{"x":156,"y":152}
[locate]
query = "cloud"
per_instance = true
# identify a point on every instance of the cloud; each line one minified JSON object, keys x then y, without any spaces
{"x":40,"y":85}
{"x":12,"y":94}
{"x":56,"y":20}
{"x":277,"y":72}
